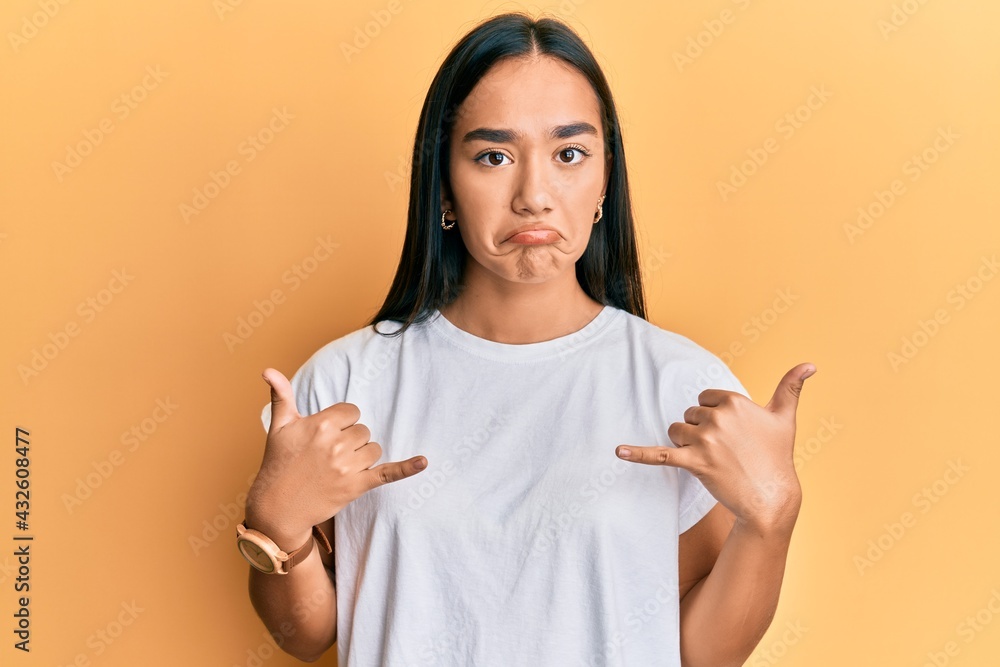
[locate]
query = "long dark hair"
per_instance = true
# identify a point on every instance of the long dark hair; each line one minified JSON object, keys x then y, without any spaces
{"x":432,"y":260}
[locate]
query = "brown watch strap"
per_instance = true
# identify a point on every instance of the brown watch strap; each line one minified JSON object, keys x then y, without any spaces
{"x":298,"y":555}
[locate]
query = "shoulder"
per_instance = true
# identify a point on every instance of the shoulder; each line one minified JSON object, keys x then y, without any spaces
{"x":667,"y":345}
{"x":323,"y":378}
{"x":680,"y":361}
{"x":355,"y":347}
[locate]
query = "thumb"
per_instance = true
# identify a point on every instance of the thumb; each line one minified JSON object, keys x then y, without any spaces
{"x":786,"y":395}
{"x":283,"y":409}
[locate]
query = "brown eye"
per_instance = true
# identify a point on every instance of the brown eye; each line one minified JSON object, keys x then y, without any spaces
{"x":495,"y":159}
{"x":569,"y":150}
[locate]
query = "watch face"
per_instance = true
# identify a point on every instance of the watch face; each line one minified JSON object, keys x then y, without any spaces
{"x":257,"y":556}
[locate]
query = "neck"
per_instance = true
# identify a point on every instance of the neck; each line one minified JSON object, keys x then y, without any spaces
{"x":521,"y":313}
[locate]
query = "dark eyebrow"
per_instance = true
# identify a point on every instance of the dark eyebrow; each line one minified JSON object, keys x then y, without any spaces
{"x":504,"y":136}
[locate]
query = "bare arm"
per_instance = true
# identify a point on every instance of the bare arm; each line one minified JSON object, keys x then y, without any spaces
{"x":732,"y":562}
{"x":298,"y":608}
{"x":313,"y":467}
{"x":725,"y":614}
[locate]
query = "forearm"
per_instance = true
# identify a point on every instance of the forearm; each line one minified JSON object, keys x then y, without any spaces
{"x":725,"y":615}
{"x":298,"y":608}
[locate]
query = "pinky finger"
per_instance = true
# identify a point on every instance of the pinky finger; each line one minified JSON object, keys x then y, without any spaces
{"x":668,"y":456}
{"x":394,"y":471}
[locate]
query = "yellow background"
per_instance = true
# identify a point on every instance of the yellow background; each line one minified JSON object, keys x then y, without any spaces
{"x":871,"y":434}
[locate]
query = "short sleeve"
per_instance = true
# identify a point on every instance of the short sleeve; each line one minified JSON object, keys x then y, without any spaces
{"x":706,"y":372}
{"x":265,"y":417}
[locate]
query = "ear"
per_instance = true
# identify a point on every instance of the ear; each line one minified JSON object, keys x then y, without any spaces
{"x":446,"y":205}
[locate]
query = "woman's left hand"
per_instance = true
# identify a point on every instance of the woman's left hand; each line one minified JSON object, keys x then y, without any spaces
{"x":741,"y":452}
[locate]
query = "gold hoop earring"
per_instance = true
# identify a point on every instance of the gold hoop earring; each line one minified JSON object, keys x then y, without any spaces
{"x":600,"y":209}
{"x":444,"y":226}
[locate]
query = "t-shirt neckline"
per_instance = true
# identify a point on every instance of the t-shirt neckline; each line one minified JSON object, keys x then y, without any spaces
{"x":521,"y":352}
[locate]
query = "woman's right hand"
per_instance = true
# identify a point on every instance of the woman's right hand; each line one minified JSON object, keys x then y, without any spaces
{"x":314,"y":466}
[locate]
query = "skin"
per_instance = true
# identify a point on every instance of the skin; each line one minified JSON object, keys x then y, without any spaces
{"x":525,"y":293}
{"x":730,"y":563}
{"x":313,"y":467}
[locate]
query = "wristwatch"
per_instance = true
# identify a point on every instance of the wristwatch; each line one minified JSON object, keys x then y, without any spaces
{"x":261,"y":551}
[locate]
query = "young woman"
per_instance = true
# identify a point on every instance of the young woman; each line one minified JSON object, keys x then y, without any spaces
{"x":511,"y":383}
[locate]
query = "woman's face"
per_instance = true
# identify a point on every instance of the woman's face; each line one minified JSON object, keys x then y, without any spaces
{"x":527,"y":148}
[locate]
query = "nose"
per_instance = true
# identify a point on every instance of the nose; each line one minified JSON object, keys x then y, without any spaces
{"x":534,"y":186}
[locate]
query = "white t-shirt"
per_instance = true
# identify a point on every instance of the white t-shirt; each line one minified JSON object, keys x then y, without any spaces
{"x":525,"y":541}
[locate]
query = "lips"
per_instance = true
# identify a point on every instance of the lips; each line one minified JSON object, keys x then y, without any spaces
{"x":530,"y":228}
{"x":537,"y":237}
